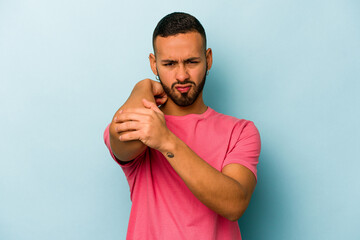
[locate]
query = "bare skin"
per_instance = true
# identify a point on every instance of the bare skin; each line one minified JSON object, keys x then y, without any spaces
{"x":139,"y":123}
{"x":145,"y":89}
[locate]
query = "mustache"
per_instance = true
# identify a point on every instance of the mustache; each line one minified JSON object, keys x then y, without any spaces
{"x":183,"y":83}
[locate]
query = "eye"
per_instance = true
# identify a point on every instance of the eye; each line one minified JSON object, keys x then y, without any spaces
{"x":192,"y":62}
{"x":168,"y":64}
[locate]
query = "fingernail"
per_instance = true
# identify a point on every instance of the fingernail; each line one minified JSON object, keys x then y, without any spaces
{"x":121,"y":111}
{"x":115,"y":118}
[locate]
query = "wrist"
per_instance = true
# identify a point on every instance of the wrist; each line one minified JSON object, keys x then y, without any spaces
{"x":170,"y":145}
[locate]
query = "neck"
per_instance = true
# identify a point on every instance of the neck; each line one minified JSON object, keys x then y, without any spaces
{"x":170,"y":108}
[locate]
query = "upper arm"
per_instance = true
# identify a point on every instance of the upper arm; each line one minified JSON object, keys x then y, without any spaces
{"x":127,"y":154}
{"x":125,"y":151}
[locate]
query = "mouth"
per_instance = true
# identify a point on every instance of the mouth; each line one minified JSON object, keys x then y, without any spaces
{"x":183,"y":89}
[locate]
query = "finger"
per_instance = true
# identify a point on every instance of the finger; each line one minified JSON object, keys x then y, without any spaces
{"x":124,"y":117}
{"x":127,"y":126}
{"x":161,"y":100}
{"x":151,"y":105}
{"x":132,"y":114}
{"x":157,"y":88}
{"x":136,"y":110}
{"x":130,"y":136}
{"x":158,"y":102}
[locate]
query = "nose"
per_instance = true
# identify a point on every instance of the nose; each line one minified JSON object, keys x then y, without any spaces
{"x":182,"y":73}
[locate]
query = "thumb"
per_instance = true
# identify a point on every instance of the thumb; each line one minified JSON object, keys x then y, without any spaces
{"x":151,"y":105}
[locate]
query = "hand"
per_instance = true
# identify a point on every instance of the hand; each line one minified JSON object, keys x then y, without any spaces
{"x":159,"y":93}
{"x":144,"y":124}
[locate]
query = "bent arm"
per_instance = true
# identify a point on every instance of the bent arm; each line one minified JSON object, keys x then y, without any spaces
{"x":228,"y":193}
{"x":126,"y":151}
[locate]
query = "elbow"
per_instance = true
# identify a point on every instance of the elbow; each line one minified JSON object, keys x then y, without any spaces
{"x":235,"y":216}
{"x":237,"y":211}
{"x":233,"y":219}
{"x":239,"y":207}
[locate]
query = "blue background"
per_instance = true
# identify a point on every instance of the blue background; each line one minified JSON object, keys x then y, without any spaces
{"x":66,"y":66}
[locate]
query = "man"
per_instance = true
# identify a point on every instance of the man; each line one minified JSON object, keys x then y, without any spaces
{"x":191,"y":170}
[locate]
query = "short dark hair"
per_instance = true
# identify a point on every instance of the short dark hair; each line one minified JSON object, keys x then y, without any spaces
{"x":178,"y":22}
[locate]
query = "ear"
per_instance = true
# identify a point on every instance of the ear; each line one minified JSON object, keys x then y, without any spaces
{"x":209,"y":58}
{"x":152,"y":60}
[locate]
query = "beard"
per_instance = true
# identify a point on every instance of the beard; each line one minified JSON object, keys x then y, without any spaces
{"x":187,"y":98}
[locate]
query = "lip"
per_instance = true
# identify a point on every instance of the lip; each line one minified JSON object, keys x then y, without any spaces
{"x":183,"y":89}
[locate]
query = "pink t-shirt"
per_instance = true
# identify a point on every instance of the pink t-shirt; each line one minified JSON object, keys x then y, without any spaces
{"x":162,"y":205}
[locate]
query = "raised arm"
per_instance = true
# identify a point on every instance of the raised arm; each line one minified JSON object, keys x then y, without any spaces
{"x":153,"y":92}
{"x":227,"y":192}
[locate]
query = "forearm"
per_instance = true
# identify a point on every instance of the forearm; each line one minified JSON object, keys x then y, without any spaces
{"x":219,"y":192}
{"x":126,"y":151}
{"x":227,"y":192}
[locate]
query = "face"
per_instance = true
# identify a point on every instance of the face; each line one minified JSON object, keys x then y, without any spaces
{"x":181,"y":64}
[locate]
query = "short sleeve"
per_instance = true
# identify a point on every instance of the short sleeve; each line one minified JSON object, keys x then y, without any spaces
{"x":245,"y":146}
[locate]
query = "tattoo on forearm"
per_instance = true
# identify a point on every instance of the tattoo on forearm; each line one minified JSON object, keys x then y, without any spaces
{"x":170,"y":155}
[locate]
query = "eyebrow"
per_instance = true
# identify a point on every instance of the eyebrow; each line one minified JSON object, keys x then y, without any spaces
{"x":174,"y":61}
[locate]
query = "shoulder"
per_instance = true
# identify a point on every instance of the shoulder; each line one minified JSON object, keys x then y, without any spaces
{"x":240,"y":128}
{"x":231,"y":120}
